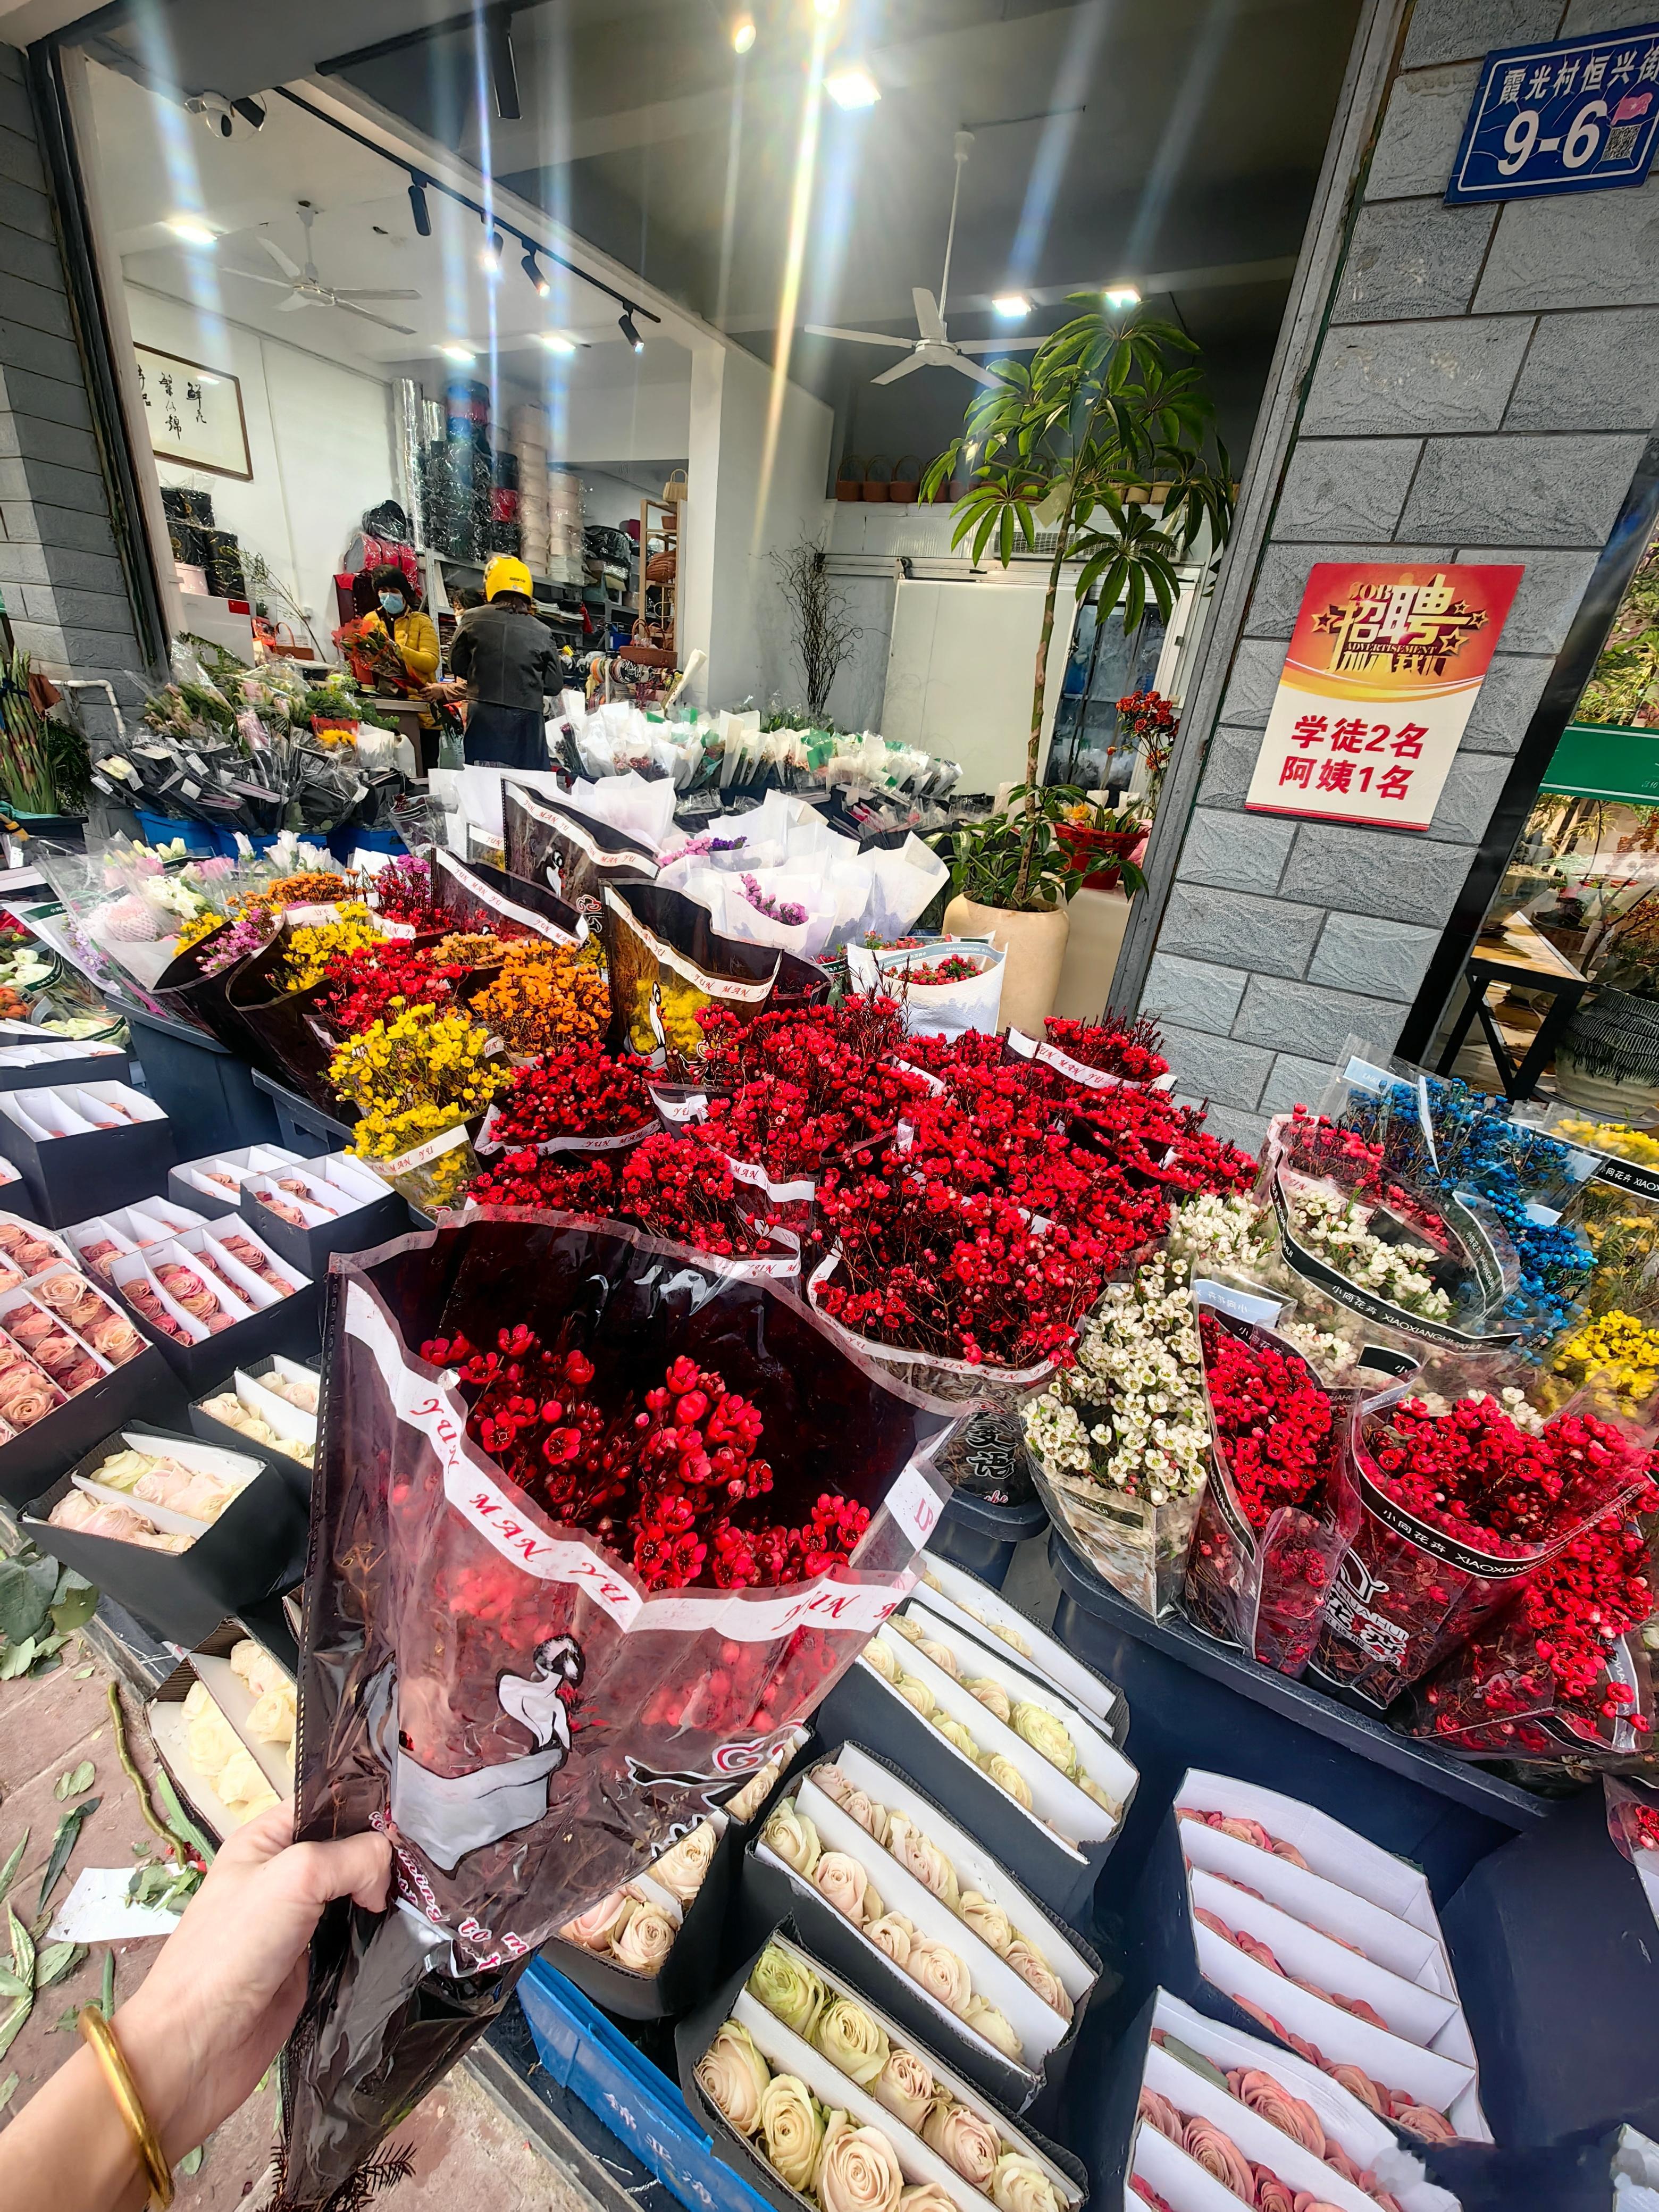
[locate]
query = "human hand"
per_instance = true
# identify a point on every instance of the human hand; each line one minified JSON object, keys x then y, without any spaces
{"x":451,"y":691}
{"x":227,"y":1988}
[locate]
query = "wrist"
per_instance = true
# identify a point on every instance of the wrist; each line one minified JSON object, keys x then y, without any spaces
{"x":163,"y":2069}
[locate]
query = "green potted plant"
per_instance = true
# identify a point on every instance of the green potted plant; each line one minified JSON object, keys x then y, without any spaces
{"x":1106,"y":431}
{"x":1607,"y":1060}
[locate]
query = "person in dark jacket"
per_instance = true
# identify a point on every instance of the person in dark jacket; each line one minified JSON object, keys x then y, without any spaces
{"x":509,"y":663}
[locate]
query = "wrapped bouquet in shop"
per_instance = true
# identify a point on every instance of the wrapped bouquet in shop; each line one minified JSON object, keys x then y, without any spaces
{"x":592,"y":1534}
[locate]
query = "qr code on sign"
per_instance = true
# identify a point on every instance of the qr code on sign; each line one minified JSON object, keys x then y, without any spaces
{"x":1621,"y":143}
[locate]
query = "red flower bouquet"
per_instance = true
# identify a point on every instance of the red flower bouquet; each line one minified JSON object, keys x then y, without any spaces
{"x":593,"y":1535}
{"x":576,"y":1100}
{"x":1461,"y":1508}
{"x":359,"y":986}
{"x":1114,"y":1045}
{"x":1278,"y":1512}
{"x":1552,"y":1674}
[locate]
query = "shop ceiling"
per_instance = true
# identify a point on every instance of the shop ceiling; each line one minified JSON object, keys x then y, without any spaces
{"x":1171,"y":144}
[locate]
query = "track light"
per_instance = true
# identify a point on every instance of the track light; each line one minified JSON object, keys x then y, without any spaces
{"x":626,"y":325}
{"x":532,"y":269}
{"x":490,"y":255}
{"x":742,"y":34}
{"x":418,"y":208}
{"x":503,"y":76}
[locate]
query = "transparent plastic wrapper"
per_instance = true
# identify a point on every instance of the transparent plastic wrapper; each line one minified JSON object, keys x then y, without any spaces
{"x":1408,"y":1592}
{"x":1633,"y":1825}
{"x":664,"y":961}
{"x":964,"y":1384}
{"x":1139,"y":1548}
{"x":1496,"y":1697}
{"x":502,"y":1695}
{"x":1445,"y":1252}
{"x":551,"y":844}
{"x":1265,"y":1589}
{"x":472,"y":896}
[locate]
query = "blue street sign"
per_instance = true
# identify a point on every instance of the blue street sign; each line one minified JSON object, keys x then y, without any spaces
{"x":1575,"y":115}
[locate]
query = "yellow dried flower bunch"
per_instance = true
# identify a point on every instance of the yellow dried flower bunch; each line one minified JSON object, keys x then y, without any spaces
{"x":544,"y":998}
{"x":413,"y":1077}
{"x":311,"y":949}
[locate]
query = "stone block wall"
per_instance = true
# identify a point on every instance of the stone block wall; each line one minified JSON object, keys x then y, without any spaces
{"x":61,"y":576}
{"x":1483,"y":392}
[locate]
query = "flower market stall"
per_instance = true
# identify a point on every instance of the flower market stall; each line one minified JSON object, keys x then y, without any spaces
{"x":619,"y":1376}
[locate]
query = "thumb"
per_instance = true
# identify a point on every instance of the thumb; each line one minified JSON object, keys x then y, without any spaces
{"x":357,"y":1867}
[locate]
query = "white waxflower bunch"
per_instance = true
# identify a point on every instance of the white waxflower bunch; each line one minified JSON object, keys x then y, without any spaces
{"x":1130,"y":1413}
{"x":1210,"y":1232}
{"x":1336,"y":1228}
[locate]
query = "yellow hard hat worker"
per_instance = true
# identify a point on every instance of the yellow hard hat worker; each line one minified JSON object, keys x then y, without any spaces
{"x":507,"y":574}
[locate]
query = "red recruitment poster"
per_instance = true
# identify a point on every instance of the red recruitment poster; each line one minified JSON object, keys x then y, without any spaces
{"x":1386,"y":661}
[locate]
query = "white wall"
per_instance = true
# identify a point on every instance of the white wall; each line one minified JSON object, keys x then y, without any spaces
{"x":320,"y":442}
{"x":732,"y":607}
{"x":625,"y":421}
{"x":960,"y":670}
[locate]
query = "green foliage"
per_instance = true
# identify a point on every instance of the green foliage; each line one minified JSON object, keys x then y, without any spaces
{"x":1014,"y":860}
{"x":1108,"y":427}
{"x":1624,"y":688}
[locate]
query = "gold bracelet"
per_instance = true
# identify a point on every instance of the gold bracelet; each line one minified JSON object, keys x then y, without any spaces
{"x":152,"y":2159}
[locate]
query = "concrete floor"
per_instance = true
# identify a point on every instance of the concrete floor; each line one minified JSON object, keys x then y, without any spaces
{"x":469,"y":2153}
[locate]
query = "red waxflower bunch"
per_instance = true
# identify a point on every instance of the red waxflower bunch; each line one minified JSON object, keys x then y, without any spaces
{"x":1271,"y":1419}
{"x":1115,"y":1044}
{"x":579,"y":1092}
{"x":848,"y":1040}
{"x":359,"y":986}
{"x":1473,"y":1473}
{"x":1315,"y":1145}
{"x":673,"y":1186}
{"x":664,"y":1483}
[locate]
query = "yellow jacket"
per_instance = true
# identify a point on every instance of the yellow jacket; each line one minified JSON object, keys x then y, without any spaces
{"x":415,"y":636}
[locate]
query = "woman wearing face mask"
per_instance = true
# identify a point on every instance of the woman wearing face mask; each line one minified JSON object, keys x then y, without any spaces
{"x":396,"y":611}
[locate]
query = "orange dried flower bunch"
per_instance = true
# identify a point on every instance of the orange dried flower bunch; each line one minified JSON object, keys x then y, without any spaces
{"x":543,"y":998}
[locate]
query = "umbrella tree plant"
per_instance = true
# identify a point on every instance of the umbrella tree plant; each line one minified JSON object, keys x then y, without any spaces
{"x":1107,"y":431}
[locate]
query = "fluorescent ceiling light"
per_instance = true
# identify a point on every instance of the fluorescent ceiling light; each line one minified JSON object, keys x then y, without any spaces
{"x":463,"y":354}
{"x":853,"y":88}
{"x":193,"y":232}
{"x":1122,"y":295}
{"x":742,"y":36}
{"x":557,"y":341}
{"x":827,"y":7}
{"x":1011,"y":303}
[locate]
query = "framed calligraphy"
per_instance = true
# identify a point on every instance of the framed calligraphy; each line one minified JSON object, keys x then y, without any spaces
{"x":1385,"y":664}
{"x":194,"y":413}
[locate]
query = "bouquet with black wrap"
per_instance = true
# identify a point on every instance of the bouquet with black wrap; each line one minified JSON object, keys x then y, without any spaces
{"x":595,"y":1526}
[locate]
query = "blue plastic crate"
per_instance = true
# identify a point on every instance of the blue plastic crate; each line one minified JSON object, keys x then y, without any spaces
{"x":162,"y":829}
{"x":586,"y":2054}
{"x":342,"y":844}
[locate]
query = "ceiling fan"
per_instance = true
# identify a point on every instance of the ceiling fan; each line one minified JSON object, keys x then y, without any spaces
{"x":934,"y":348}
{"x":305,"y":288}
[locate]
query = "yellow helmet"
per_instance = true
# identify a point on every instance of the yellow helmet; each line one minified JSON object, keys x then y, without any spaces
{"x":507,"y":574}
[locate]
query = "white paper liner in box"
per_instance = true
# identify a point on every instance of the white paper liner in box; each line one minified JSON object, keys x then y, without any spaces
{"x":1182,"y":2182}
{"x":264,"y":1191}
{"x":980,"y":1656}
{"x":1367,"y":2139}
{"x":960,"y":1596}
{"x":291,"y":1370}
{"x":22,"y":1296}
{"x":135,"y":1268}
{"x":1073,"y":1817}
{"x":99,"y":1230}
{"x":785,"y":2052}
{"x":1384,"y":1938}
{"x":117,"y":1100}
{"x":248,"y":1159}
{"x":289,"y":1422}
{"x":1195,"y":2097}
{"x":171,"y":1733}
{"x":1037,"y":2025}
{"x":42,"y":1115}
{"x":973,"y":1866}
{"x":186,"y":1250}
{"x":236,"y":1702}
{"x":1417,"y":2015}
{"x":1426,"y":2077}
{"x":1338,"y":1853}
{"x":934,"y":1920}
{"x":344,"y":1172}
{"x":256,"y":1291}
{"x":232,"y":1468}
{"x":62,"y":1251}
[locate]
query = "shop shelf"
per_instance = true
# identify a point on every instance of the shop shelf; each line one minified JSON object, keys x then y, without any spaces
{"x":982,"y":1537}
{"x":1194,"y":1703}
{"x":590,"y":2057}
{"x":207,"y":1090}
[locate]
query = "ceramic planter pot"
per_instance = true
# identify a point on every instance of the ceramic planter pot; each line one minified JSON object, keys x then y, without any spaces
{"x":1034,"y":945}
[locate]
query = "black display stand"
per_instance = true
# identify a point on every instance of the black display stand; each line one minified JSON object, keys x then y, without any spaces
{"x":207,"y":1090}
{"x":1194,"y":1703}
{"x":303,"y":1127}
{"x":982,"y":1537}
